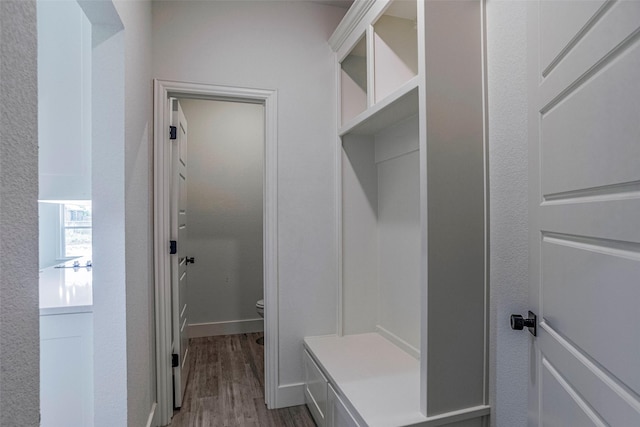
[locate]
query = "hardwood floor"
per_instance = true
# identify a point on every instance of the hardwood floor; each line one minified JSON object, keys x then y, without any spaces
{"x":226,"y":387}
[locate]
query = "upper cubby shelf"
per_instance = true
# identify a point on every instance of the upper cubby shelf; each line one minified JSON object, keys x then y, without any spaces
{"x":395,"y":46}
{"x":379,"y":75}
{"x":353,"y":81}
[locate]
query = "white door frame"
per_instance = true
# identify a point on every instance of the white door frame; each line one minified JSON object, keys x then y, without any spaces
{"x":161,"y":176}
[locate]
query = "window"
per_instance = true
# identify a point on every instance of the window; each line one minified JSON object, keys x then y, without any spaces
{"x":76,"y":229}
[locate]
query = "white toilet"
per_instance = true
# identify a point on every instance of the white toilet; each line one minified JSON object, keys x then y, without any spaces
{"x":260,"y":310}
{"x":260,"y":307}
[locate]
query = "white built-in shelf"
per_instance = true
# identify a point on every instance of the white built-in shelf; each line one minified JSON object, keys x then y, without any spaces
{"x":398,"y":106}
{"x":380,"y":69}
{"x":379,"y":380}
{"x":410,"y":76}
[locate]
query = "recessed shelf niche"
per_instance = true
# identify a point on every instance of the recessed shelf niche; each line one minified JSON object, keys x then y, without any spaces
{"x":381,"y":234}
{"x":395,"y":44}
{"x":353,"y":81}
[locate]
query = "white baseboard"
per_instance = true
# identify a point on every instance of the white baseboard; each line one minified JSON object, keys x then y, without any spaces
{"x":151,"y":421}
{"x":212,"y":329}
{"x":290,"y":395}
{"x":399,"y":342}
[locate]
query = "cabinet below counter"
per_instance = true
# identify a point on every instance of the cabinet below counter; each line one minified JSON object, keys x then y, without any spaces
{"x":66,"y":345}
{"x":66,"y":370}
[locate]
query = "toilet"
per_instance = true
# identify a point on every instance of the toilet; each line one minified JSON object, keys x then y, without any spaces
{"x":260,"y":307}
{"x":260,"y":310}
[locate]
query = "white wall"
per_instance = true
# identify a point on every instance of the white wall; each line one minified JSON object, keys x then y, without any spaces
{"x":19,"y":315}
{"x":108,"y":234}
{"x":124,"y":359}
{"x":398,"y":167}
{"x":507,"y":95}
{"x":281,"y":46}
{"x":360,"y":290}
{"x":138,"y":202}
{"x":64,"y":101}
{"x":224,"y":204}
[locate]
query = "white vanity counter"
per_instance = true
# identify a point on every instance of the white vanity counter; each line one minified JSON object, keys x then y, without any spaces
{"x":66,"y":290}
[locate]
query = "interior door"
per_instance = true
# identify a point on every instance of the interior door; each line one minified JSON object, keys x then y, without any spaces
{"x":584,"y":130}
{"x":179,"y":260}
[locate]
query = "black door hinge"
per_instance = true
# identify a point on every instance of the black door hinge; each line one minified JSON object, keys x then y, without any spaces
{"x":173,"y":132}
{"x":173,"y":247}
{"x":175,"y":360}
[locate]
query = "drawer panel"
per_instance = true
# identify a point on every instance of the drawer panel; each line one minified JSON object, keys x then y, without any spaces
{"x":337,"y":413}
{"x":315,"y":390}
{"x":318,"y":416}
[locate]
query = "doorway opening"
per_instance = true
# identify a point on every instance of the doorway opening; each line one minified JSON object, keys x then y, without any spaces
{"x":231,"y":206}
{"x":225,"y":171}
{"x":81,"y":208}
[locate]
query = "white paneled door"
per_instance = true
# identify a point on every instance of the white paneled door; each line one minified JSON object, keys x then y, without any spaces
{"x":584,"y":127}
{"x":179,"y":259}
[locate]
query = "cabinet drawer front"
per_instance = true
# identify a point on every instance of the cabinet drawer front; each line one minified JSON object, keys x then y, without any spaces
{"x":337,"y":413}
{"x":315,"y":389}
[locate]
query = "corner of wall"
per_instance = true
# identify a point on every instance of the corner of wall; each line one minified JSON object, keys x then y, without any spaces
{"x":19,"y":315}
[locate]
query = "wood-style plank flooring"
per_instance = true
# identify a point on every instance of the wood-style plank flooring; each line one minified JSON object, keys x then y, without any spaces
{"x":226,"y":387}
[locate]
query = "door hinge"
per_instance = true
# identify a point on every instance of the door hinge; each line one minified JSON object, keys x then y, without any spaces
{"x":175,"y":360}
{"x":173,"y":132}
{"x":173,"y":247}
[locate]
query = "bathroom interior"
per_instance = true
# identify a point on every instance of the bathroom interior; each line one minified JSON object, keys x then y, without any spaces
{"x":225,"y":170}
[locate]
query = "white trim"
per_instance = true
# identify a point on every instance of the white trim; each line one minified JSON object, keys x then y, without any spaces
{"x":271,"y":279}
{"x":230,"y":327}
{"x":371,"y":63}
{"x":338,"y":199}
{"x":424,"y":207}
{"x":162,"y":90}
{"x":487,"y":206}
{"x":152,"y":415}
{"x":349,"y":23}
{"x":398,"y":342}
{"x":162,"y":280}
{"x":456,"y":416}
{"x":290,"y":395}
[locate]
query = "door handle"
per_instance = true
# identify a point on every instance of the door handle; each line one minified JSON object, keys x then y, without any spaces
{"x":518,"y":323}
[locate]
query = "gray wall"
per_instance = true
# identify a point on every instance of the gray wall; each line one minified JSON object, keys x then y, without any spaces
{"x":224,"y":203}
{"x":19,"y":316}
{"x":281,"y":46}
{"x":507,"y":95}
